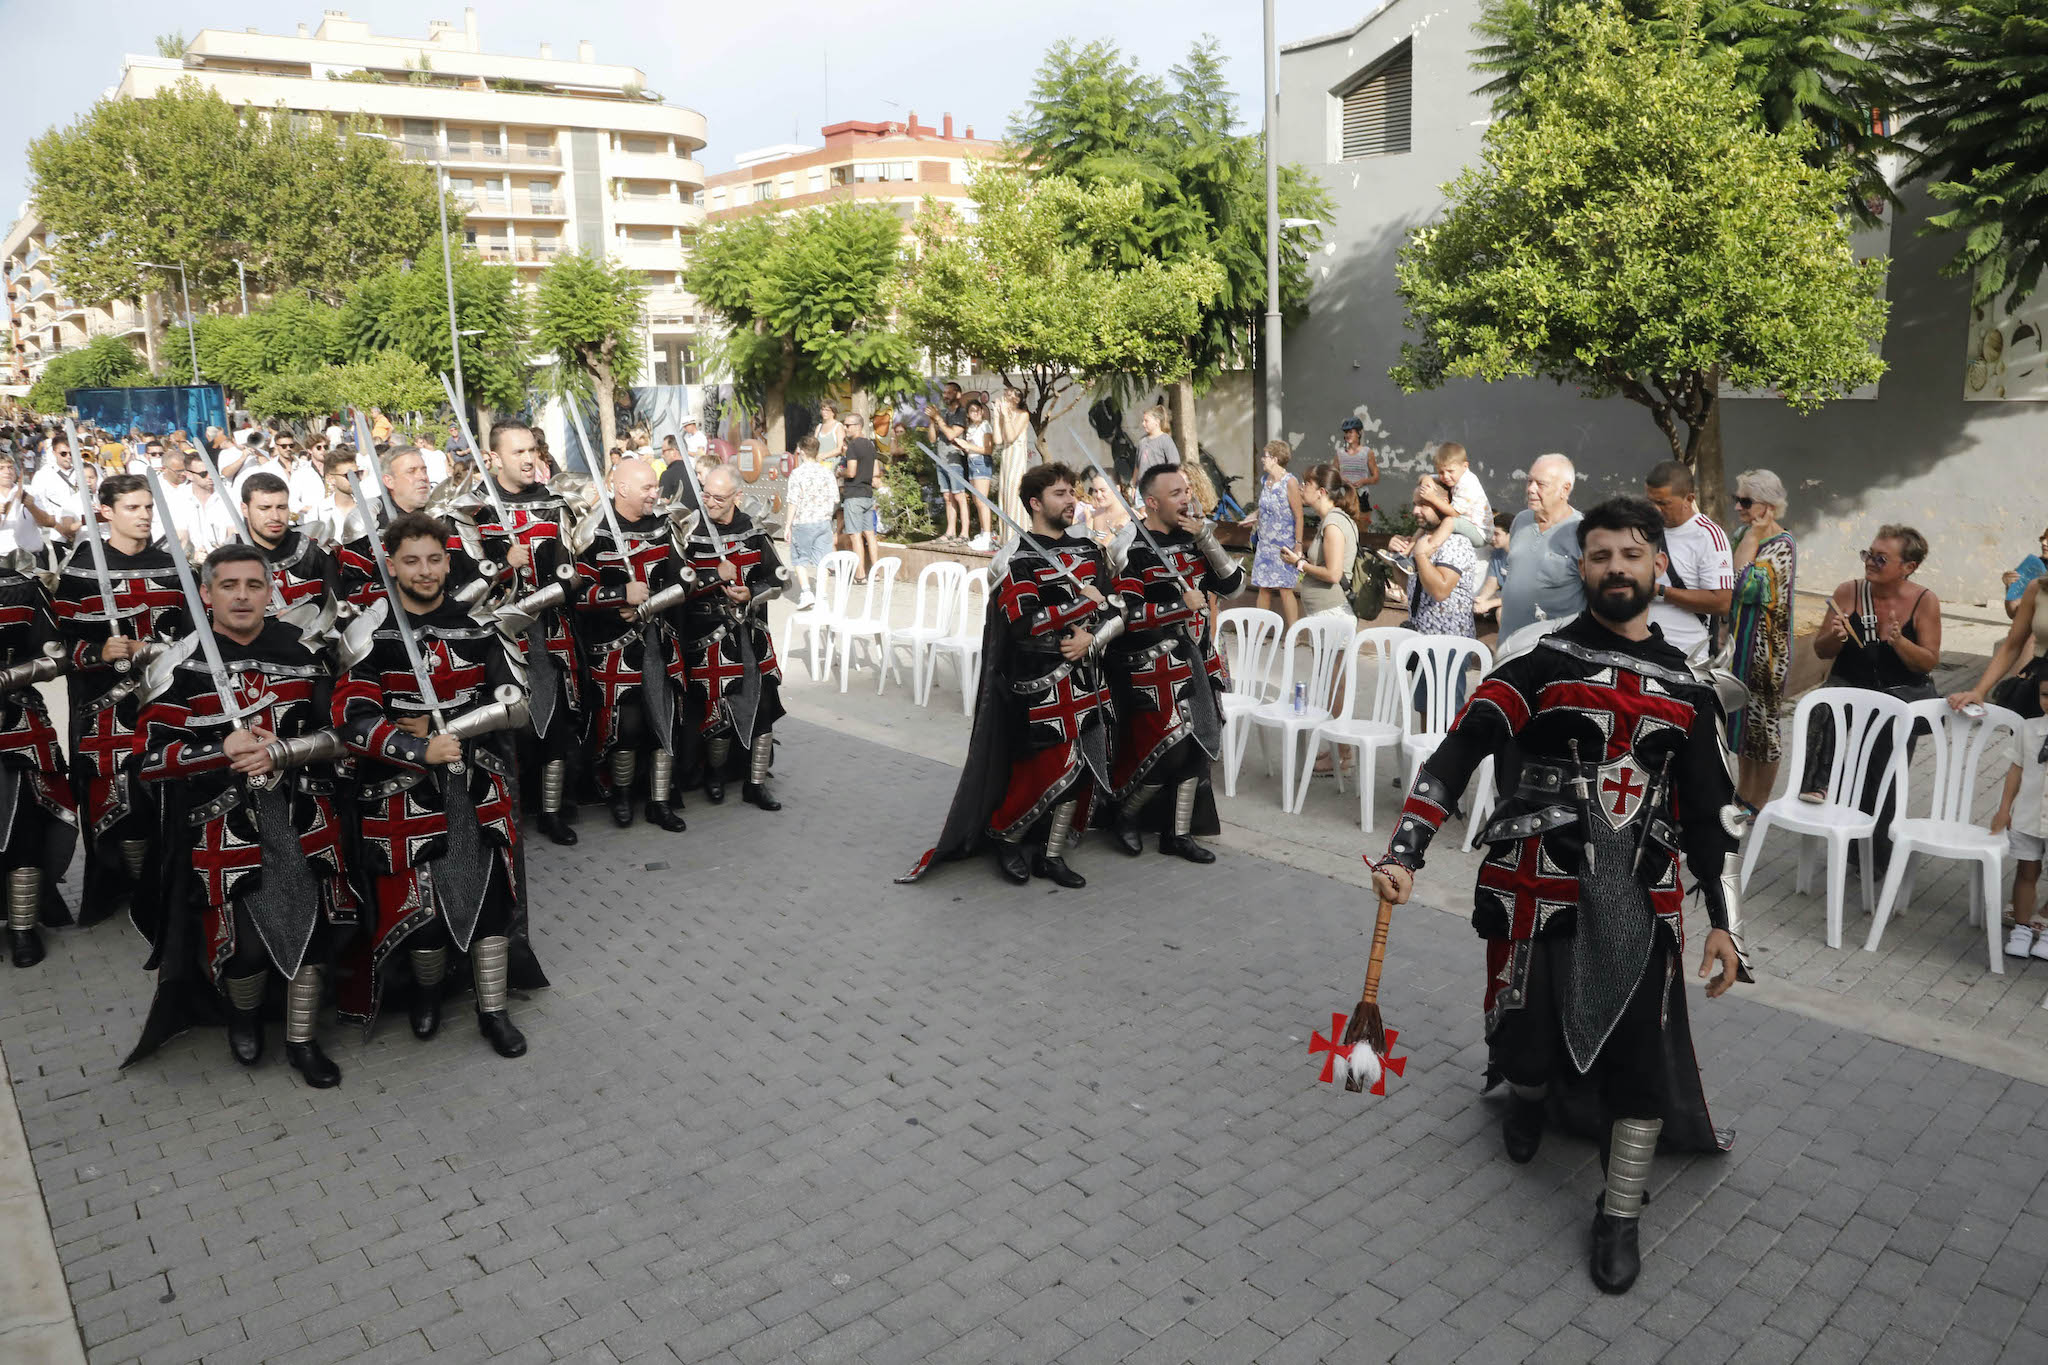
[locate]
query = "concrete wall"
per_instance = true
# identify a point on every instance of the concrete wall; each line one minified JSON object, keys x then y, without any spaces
{"x":1969,"y":475}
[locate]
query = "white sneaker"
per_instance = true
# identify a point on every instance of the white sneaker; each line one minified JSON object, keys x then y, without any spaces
{"x":2020,"y":941}
{"x":981,"y":544}
{"x":806,"y":601}
{"x":2041,"y":945}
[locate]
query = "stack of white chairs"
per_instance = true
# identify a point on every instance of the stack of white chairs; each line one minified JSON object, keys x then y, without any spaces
{"x":1433,"y":676}
{"x":835,"y":583}
{"x":934,"y":615}
{"x":1247,"y":638}
{"x":1961,"y":746}
{"x":870,"y":628}
{"x":963,"y":645}
{"x":1369,"y":715}
{"x":1325,"y":638}
{"x":1860,"y":720}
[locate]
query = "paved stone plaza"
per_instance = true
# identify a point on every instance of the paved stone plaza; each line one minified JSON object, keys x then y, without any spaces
{"x":780,"y":1109}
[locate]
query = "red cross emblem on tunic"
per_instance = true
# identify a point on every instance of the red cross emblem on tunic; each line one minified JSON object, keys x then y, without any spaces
{"x":397,"y":831}
{"x":292,"y":590}
{"x":221,"y":860}
{"x":1163,"y":677}
{"x":613,"y":674}
{"x":1064,"y":708}
{"x":1627,"y":713}
{"x":719,"y":670}
{"x":1527,"y":885}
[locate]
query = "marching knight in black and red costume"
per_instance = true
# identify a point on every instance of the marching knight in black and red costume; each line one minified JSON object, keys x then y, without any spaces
{"x":630,"y":603}
{"x":1611,"y":773}
{"x":242,"y":763}
{"x":1039,"y":754}
{"x":106,"y":672}
{"x":38,"y":809}
{"x":434,"y":790}
{"x":735,"y":682}
{"x":1165,"y":673}
{"x":535,"y":552}
{"x":300,"y":568}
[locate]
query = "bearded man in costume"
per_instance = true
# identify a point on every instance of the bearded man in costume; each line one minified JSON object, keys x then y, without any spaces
{"x":1038,"y":756}
{"x":1612,"y":780}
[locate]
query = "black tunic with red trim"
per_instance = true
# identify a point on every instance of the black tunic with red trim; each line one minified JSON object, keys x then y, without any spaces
{"x":1597,"y":741}
{"x":1164,"y":670}
{"x":540,"y":518}
{"x":299,"y":569}
{"x":735,"y":681}
{"x":217,"y":849}
{"x":614,"y":647}
{"x":40,"y":825}
{"x":404,"y":822}
{"x":104,"y":736}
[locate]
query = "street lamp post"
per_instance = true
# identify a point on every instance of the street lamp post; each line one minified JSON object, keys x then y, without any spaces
{"x":447,"y":258}
{"x":191,"y":323}
{"x":1270,"y":332}
{"x":242,"y":279}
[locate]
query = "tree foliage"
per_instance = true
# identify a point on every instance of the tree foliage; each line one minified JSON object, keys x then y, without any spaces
{"x":406,"y":310}
{"x":805,"y":300}
{"x":1977,"y":99}
{"x":102,"y":363}
{"x":291,"y":334}
{"x":388,"y":380}
{"x":1022,"y":288}
{"x":587,"y":311}
{"x":183,"y":177}
{"x":1819,"y":63}
{"x":1099,"y":119}
{"x":1635,"y":230}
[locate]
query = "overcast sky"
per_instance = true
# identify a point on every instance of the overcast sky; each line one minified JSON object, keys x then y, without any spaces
{"x":761,"y":71}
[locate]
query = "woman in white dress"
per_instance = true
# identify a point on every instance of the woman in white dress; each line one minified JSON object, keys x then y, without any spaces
{"x":1013,"y":452}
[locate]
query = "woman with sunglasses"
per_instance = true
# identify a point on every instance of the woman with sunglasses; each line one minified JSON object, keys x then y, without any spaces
{"x":1882,"y":633}
{"x":1765,"y":559}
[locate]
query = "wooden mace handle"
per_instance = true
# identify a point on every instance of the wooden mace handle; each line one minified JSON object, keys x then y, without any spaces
{"x":1379,"y":954}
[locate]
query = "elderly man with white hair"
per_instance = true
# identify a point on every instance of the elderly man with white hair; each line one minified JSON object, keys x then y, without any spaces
{"x":1542,"y":581}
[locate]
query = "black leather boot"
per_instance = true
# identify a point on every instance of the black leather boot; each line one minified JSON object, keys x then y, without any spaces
{"x":490,"y":960}
{"x":625,"y":764}
{"x":759,"y":759}
{"x":716,"y":754}
{"x":663,"y":814}
{"x":756,"y":794}
{"x":1056,"y":870}
{"x":245,"y":1016}
{"x":311,"y":1063}
{"x":24,"y":947}
{"x":429,"y":969}
{"x":622,"y":807}
{"x":551,"y":823}
{"x":1521,"y":1129}
{"x":1013,"y":863}
{"x":1617,"y":1258}
{"x":664,"y":806}
{"x":1184,"y":846}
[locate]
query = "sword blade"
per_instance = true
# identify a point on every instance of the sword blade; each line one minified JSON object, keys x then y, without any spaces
{"x":366,"y":444}
{"x":88,"y":501}
{"x":484,"y":475}
{"x":1137,"y":517}
{"x":1037,"y":547}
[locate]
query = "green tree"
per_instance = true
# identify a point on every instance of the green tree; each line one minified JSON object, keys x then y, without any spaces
{"x":291,"y":334}
{"x":1096,"y":117}
{"x":406,"y":310}
{"x":171,"y":45}
{"x":1634,"y":230}
{"x":1814,"y":62}
{"x":805,"y":301}
{"x":587,"y":311}
{"x":392,"y":382}
{"x":183,"y":177}
{"x":1021,"y":288}
{"x":1977,"y":103}
{"x":102,"y":363}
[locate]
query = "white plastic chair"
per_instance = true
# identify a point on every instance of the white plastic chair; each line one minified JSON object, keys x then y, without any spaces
{"x":835,"y":584}
{"x":1432,"y":669}
{"x":1960,"y":748}
{"x":1367,"y":722}
{"x":1247,"y":638}
{"x":1860,"y":718}
{"x":963,"y":646}
{"x":872,"y":628}
{"x":932,"y":618}
{"x":1325,"y":638}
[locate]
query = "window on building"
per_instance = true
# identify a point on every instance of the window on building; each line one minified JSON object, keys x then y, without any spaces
{"x":642,"y":146}
{"x":1377,"y":109}
{"x":647,"y":236}
{"x":697,"y":198}
{"x":764,"y":190}
{"x":842,"y":175}
{"x":817,"y":180}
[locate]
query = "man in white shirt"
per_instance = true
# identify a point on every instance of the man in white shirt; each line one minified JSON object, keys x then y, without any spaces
{"x":1699,"y":586}
{"x":183,"y":502}
{"x":216,"y":524}
{"x":436,"y":462}
{"x":694,"y":442}
{"x":306,"y":480}
{"x":54,"y":490}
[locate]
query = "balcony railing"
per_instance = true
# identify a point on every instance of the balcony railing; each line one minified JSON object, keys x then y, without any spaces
{"x":546,"y":206}
{"x":531,"y":250}
{"x":414,"y":149}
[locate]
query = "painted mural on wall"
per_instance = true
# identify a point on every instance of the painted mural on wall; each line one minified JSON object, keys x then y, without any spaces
{"x":2007,"y":360}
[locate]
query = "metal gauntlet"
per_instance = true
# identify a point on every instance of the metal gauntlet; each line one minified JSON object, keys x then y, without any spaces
{"x":1111,"y":627}
{"x":321,"y":746}
{"x":508,"y":712}
{"x":1212,"y":549}
{"x":669,"y":597}
{"x":534,"y":603}
{"x":52,"y":664}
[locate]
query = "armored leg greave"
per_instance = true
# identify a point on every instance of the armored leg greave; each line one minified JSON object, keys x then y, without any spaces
{"x":1184,"y":806}
{"x":1630,"y":1147}
{"x":554,"y":780}
{"x":24,"y":897}
{"x":661,"y":771}
{"x":760,"y":759}
{"x":132,"y":853}
{"x":718,"y":750}
{"x":1051,"y":864}
{"x":1062,"y":831}
{"x":245,"y":993}
{"x":490,"y":960}
{"x":245,"y":1023}
{"x":302,"y":1005}
{"x":625,"y":765}
{"x":429,"y":966}
{"x":1128,"y":836}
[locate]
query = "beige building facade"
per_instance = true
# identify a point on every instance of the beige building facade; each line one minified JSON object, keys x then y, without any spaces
{"x":899,"y":164}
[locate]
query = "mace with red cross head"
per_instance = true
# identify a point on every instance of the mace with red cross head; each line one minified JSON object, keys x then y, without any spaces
{"x":1364,"y":1053}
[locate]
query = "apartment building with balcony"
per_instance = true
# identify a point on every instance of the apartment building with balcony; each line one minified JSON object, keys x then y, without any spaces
{"x":899,"y":164}
{"x":43,"y":320}
{"x":546,"y":154}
